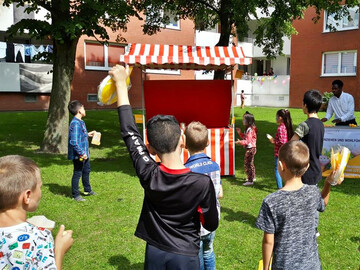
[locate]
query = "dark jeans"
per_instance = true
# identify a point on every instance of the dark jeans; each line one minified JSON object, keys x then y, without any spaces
{"x":352,"y":121}
{"x":157,"y":259}
{"x":81,"y":169}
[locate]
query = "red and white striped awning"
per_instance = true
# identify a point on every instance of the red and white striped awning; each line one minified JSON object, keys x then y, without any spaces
{"x":156,"y":56}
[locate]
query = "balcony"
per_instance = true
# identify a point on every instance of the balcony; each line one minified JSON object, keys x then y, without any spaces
{"x":268,"y":91}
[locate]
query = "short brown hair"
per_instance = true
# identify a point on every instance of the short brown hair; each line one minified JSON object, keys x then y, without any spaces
{"x":17,"y":174}
{"x":196,"y":137}
{"x":295,"y":155}
{"x":74,"y":107}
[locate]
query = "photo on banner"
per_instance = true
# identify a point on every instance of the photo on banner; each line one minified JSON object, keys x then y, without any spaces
{"x":343,"y":136}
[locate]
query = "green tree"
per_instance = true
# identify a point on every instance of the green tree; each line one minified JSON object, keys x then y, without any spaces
{"x":233,"y":17}
{"x":70,"y":19}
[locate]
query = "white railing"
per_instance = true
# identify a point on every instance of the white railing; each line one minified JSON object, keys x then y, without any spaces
{"x":271,"y":91}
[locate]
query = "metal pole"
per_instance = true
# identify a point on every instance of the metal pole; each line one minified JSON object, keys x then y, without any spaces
{"x":142,"y":98}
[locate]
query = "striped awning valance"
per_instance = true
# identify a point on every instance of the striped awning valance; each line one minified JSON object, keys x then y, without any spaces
{"x":157,"y":56}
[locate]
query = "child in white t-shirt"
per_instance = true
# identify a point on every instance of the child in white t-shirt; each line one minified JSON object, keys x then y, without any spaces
{"x":23,"y":245}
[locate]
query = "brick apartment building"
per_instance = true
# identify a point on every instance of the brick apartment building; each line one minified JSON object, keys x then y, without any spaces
{"x":320,"y":56}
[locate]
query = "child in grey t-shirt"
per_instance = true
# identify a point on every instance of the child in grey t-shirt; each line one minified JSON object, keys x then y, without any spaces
{"x":288,"y":216}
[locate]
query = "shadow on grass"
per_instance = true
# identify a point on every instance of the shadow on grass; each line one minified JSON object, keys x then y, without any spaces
{"x":59,"y":190}
{"x":119,"y":163}
{"x":239,"y":216}
{"x":355,"y":239}
{"x":122,"y":263}
{"x":269,"y":188}
{"x":233,"y":180}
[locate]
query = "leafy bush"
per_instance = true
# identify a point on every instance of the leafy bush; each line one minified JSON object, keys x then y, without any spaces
{"x":326,"y":98}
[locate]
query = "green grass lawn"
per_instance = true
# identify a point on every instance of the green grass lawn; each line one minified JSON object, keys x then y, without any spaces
{"x":104,"y":225}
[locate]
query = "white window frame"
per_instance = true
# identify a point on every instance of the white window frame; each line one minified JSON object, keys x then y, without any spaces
{"x":163,"y":71}
{"x":106,"y":56}
{"x":338,"y":73}
{"x":340,"y":26}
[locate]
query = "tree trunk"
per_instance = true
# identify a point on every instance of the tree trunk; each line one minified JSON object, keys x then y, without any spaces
{"x":56,"y":133}
{"x":225,"y":26}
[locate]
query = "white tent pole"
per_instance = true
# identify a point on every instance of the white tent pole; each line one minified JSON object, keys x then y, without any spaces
{"x":142,"y":98}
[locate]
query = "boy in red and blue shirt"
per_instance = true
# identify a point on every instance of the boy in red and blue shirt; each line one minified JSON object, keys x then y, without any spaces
{"x":175,"y":199}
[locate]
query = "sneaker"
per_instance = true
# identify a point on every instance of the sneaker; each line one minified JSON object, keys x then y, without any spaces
{"x":254,"y":180}
{"x":248,"y":183}
{"x":79,"y":199}
{"x":90,"y":193}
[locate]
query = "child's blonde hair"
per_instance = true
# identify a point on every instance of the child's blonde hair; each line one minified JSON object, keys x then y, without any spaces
{"x":17,"y":174}
{"x":196,"y":137}
{"x":295,"y":155}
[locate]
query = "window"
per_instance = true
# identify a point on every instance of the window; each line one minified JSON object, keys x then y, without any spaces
{"x":174,"y":22}
{"x":92,"y":98}
{"x":345,"y":23}
{"x":339,"y":63}
{"x":30,"y":98}
{"x":102,"y":57}
{"x":288,"y":66}
{"x":153,"y":16}
{"x":244,"y":68}
{"x":20,"y":13}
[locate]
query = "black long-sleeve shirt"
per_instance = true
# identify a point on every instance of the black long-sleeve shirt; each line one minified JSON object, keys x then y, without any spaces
{"x":175,"y":201}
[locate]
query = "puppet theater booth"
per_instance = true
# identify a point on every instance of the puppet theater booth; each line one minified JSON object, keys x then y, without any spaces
{"x":207,"y":101}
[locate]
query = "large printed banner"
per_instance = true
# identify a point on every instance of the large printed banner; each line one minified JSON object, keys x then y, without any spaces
{"x":25,"y":77}
{"x":344,"y":136}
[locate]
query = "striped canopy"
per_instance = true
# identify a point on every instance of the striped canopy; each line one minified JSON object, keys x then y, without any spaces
{"x":156,"y":56}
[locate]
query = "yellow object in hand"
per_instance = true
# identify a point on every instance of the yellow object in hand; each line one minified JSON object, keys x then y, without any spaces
{"x":339,"y":160}
{"x":107,"y":89}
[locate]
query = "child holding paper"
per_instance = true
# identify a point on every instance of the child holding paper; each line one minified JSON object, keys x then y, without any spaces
{"x":249,"y":142}
{"x":283,"y":135}
{"x":78,"y":150}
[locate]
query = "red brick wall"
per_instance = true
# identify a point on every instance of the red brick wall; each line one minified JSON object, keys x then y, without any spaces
{"x":16,"y":102}
{"x":86,"y":81}
{"x":306,"y":58}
